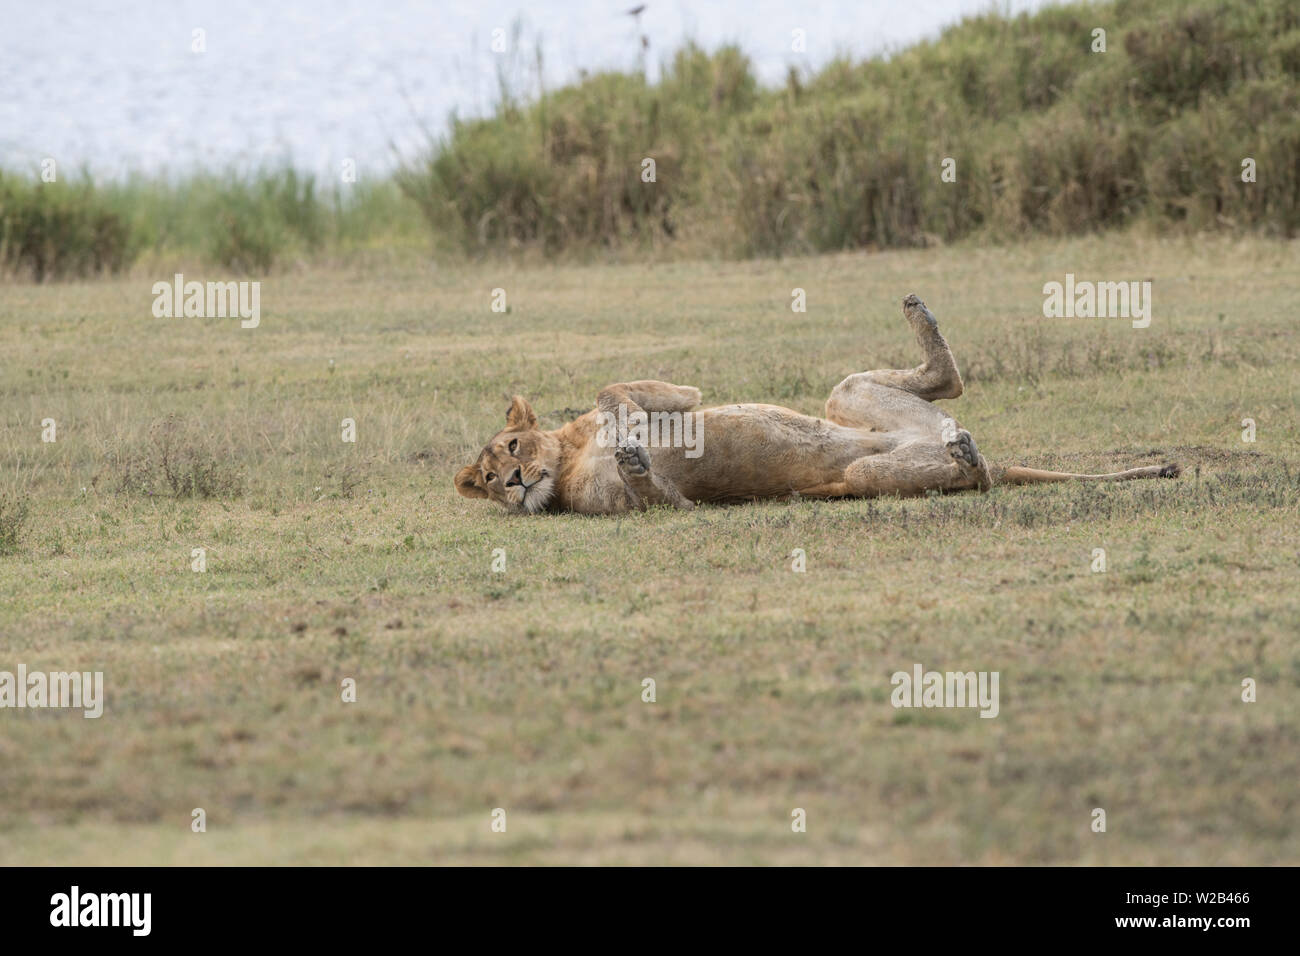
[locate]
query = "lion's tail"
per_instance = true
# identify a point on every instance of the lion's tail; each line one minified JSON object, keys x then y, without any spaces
{"x":1016,"y":475}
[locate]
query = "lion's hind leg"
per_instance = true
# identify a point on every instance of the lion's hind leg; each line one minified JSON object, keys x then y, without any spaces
{"x":896,"y":399}
{"x":920,"y":466}
{"x":647,"y":396}
{"x":859,"y":399}
{"x":961,"y":447}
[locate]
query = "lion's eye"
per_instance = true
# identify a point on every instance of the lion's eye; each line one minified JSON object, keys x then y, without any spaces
{"x":491,"y":477}
{"x":514,"y":445}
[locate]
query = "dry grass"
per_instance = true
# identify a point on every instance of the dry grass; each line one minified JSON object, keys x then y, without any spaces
{"x":522,"y":690}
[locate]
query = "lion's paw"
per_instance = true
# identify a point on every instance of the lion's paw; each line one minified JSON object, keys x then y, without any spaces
{"x":914,"y":308}
{"x":963,"y":449}
{"x":633,"y":458}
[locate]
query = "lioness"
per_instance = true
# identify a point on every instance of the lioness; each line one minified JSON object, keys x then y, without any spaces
{"x":881,"y":436}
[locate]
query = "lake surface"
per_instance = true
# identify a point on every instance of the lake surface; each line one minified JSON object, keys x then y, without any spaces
{"x":119,"y":86}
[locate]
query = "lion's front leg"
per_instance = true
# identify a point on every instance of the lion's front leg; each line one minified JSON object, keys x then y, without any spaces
{"x":644,"y":487}
{"x":623,"y":409}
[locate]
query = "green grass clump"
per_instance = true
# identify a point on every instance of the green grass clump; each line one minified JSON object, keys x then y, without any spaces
{"x":176,"y":458}
{"x":15,"y":512}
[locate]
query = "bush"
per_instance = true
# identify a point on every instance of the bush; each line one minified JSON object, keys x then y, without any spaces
{"x":246,"y":222}
{"x":61,"y":230}
{"x":262,"y":218}
{"x":568,"y":170}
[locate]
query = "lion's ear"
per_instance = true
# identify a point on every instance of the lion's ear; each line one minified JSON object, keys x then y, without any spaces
{"x":467,"y":482}
{"x":520,"y":417}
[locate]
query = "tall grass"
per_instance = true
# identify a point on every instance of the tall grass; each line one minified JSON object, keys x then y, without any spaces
{"x":1044,"y":134}
{"x":249,"y":223}
{"x":568,"y":170}
{"x":1047,"y":137}
{"x":53,"y":230}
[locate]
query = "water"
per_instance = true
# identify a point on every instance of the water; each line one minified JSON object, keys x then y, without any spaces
{"x":118,"y":86}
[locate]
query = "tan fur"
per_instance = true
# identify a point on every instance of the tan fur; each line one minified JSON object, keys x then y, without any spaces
{"x":881,"y":436}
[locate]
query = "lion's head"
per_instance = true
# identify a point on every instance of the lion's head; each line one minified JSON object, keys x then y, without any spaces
{"x":517,"y":468}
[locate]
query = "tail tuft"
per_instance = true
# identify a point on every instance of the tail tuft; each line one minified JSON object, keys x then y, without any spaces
{"x":1171,"y":470}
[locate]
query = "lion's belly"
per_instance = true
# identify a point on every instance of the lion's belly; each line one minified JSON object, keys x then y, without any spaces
{"x":756,"y":451}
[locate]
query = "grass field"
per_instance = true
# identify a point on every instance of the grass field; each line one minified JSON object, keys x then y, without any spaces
{"x":522,"y":689}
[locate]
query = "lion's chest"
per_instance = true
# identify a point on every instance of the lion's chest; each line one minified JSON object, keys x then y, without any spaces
{"x":592,"y":484}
